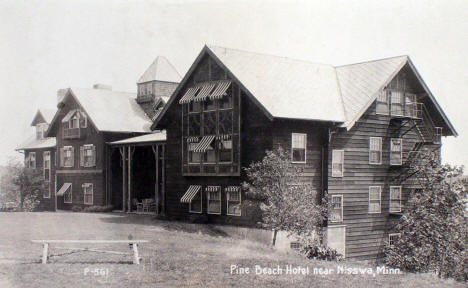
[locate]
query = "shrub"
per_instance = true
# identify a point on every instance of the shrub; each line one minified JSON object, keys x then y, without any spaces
{"x":320,"y":252}
{"x":77,"y":209}
{"x":107,"y":208}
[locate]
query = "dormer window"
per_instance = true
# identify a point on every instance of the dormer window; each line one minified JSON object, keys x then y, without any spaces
{"x":40,"y":130}
{"x":72,"y":122}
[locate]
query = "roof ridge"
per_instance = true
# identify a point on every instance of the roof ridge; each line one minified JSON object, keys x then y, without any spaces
{"x":369,"y":61}
{"x":270,"y":55}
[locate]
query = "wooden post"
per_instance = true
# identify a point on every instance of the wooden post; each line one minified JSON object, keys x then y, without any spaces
{"x":129,"y":186}
{"x":163,"y":179}
{"x":124,"y":176}
{"x":45,"y":253}
{"x":136,"y":257}
{"x":155,"y":149}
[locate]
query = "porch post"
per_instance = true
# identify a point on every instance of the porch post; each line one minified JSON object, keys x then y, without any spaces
{"x":124,"y":176}
{"x":156,"y":184}
{"x":163,"y":180}
{"x":129,"y":179}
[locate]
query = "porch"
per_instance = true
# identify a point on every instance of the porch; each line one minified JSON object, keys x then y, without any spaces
{"x":136,"y":174}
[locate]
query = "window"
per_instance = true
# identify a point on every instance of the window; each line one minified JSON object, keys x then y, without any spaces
{"x":194,"y":157}
{"x":395,"y":199}
{"x":375,"y":199}
{"x":214,"y":199}
{"x":225,"y":102}
{"x":67,"y":156}
{"x":74,"y":122}
{"x":233,"y":195}
{"x":337,"y":208}
{"x":195,"y":106}
{"x":375,"y":150}
{"x":397,"y":102}
{"x":194,"y":124}
{"x":410,"y":105}
{"x":382,"y":103}
{"x":209,"y":156}
{"x":46,"y":163}
{"x":299,"y":147}
{"x":149,"y":88}
{"x":40,"y":130}
{"x":225,"y":151}
{"x":88,"y":155}
{"x":30,"y":161}
{"x":195,"y":205}
{"x":337,"y":163}
{"x":393,"y":238}
{"x":396,"y":151}
{"x":67,"y":196}
{"x":88,"y":193}
{"x":210,"y":104}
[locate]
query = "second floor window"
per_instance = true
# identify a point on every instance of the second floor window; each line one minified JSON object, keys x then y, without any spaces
{"x":396,"y":151}
{"x":374,"y":199}
{"x":395,"y":199}
{"x":88,"y":155}
{"x":46,"y":160}
{"x":67,"y":156}
{"x":397,"y":102}
{"x":299,"y":143}
{"x":40,"y":130}
{"x":337,"y":163}
{"x":382,"y":103}
{"x":375,"y":150}
{"x":30,"y":161}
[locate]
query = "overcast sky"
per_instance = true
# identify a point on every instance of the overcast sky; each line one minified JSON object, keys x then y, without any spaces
{"x":49,"y":45}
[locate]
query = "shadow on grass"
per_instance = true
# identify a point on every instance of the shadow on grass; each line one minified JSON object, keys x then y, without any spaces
{"x":172,"y":225}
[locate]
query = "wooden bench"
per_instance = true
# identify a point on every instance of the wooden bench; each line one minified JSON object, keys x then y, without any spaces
{"x":134,"y":243}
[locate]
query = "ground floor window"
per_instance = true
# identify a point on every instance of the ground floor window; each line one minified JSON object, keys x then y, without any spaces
{"x":233,"y":201}
{"x":214,"y":199}
{"x":395,"y":198}
{"x":336,"y":208}
{"x":67,"y":195}
{"x":88,"y":193}
{"x":374,"y":199}
{"x":393,"y":238}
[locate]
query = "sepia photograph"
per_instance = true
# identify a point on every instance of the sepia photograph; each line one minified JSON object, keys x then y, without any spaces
{"x":243,"y":143}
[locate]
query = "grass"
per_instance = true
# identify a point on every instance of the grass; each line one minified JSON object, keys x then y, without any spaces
{"x":178,"y":255}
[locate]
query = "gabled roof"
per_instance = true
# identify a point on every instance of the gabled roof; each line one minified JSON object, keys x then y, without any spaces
{"x":160,"y":70}
{"x":33,"y":143}
{"x":43,"y":114}
{"x":288,"y":88}
{"x":109,"y":111}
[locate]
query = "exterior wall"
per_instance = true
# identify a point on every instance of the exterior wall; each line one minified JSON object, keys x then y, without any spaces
{"x":46,"y":204}
{"x":367,"y":233}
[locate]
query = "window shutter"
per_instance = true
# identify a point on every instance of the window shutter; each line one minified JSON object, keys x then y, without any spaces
{"x":72,"y":156}
{"x":94,"y":155}
{"x":82,"y":156}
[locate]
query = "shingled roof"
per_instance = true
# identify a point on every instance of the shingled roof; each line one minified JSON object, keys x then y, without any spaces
{"x":296,"y":89}
{"x":43,"y":114}
{"x":160,"y":70}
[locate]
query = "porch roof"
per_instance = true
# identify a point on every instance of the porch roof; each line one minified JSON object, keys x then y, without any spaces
{"x":158,"y":136}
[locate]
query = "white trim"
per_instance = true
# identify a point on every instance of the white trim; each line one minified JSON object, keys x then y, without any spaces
{"x":392,"y":234}
{"x":390,"y":199}
{"x":305,"y":148}
{"x":380,"y":200}
{"x":201,"y":202}
{"x":401,"y":152}
{"x":71,"y":194}
{"x":380,"y":150}
{"x":228,"y":200}
{"x":333,"y":162}
{"x":218,"y":189}
{"x":84,"y":186}
{"x":342,"y":216}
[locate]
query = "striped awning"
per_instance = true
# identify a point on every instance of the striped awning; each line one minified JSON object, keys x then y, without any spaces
{"x":223,"y":137}
{"x":220,"y":90}
{"x":204,"y":144}
{"x":189,"y":95}
{"x":193,"y":139}
{"x":212,"y":188}
{"x":64,"y":189}
{"x":190,"y":194}
{"x":232,"y":189}
{"x":204,"y":92}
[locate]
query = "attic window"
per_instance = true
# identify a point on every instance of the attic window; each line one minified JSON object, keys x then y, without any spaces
{"x":40,"y":130}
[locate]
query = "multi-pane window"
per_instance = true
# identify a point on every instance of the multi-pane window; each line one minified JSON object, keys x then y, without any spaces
{"x":375,"y":199}
{"x":46,"y":162}
{"x":336,"y":214}
{"x":88,"y":193}
{"x":299,"y":143}
{"x":67,"y":156}
{"x":195,"y":205}
{"x":233,"y":194}
{"x":337,"y":163}
{"x":375,"y":150}
{"x":40,"y":130}
{"x":225,"y":151}
{"x":395,"y":199}
{"x":149,"y":88}
{"x":30,"y":161}
{"x":193,"y":156}
{"x":397,"y":102}
{"x":88,"y":155}
{"x":67,"y":196}
{"x":396,"y":151}
{"x":393,"y":238}
{"x":214,"y":199}
{"x":382,"y":103}
{"x":410,"y":105}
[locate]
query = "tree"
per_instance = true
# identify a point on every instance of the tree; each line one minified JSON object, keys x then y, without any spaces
{"x":22,"y":186}
{"x":287,"y":202}
{"x":433,"y":227}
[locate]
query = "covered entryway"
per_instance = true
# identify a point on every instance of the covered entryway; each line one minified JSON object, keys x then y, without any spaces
{"x":136,"y":174}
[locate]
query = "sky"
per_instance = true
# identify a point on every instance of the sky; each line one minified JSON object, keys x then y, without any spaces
{"x":49,"y":45}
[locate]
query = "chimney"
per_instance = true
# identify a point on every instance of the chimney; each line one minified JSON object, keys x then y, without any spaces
{"x":60,"y":94}
{"x":102,"y":86}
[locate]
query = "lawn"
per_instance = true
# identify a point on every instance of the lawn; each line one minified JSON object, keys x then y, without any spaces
{"x":178,"y":255}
